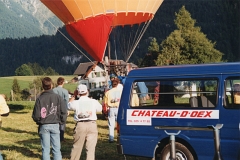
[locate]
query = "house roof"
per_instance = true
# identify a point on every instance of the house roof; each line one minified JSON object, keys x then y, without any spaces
{"x":83,"y":68}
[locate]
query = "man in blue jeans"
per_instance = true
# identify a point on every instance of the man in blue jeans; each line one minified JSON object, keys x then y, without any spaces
{"x":49,"y":111}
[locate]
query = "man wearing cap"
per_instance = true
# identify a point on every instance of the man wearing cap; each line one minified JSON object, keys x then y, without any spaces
{"x":86,"y":127}
{"x":112,"y":99}
{"x":112,"y":77}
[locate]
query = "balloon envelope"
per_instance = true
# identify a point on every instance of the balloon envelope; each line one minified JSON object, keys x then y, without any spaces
{"x":89,"y":22}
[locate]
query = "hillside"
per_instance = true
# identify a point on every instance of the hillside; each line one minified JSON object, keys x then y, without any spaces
{"x":218,"y":19}
{"x":26,"y":18}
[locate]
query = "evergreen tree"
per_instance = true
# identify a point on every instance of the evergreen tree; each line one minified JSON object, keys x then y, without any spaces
{"x":24,"y":70}
{"x":36,"y":86}
{"x":16,"y":86}
{"x":16,"y":90}
{"x":36,"y":68}
{"x":50,"y":71}
{"x":151,"y":56}
{"x":154,"y":47}
{"x":187,"y":44}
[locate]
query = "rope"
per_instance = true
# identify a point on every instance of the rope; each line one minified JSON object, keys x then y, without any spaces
{"x":138,"y":39}
{"x":128,"y":37}
{"x":70,"y":41}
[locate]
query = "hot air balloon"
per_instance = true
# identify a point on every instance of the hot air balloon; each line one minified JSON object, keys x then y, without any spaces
{"x":90,"y":22}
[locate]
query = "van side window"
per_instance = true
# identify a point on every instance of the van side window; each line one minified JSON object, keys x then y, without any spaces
{"x":175,"y":93}
{"x":232,"y":92}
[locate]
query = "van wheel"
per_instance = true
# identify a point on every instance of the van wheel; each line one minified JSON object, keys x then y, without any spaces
{"x":182,"y":153}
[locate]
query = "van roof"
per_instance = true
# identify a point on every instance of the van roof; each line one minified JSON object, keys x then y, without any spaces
{"x":189,"y":69}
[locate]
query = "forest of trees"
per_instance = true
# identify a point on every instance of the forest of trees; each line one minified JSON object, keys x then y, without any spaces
{"x":34,"y":69}
{"x":218,"y":20}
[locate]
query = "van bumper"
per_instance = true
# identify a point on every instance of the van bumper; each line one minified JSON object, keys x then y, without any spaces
{"x":119,"y":149}
{"x":119,"y":146}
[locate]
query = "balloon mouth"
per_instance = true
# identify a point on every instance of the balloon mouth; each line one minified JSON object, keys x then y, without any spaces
{"x":122,"y":18}
{"x":92,"y":33}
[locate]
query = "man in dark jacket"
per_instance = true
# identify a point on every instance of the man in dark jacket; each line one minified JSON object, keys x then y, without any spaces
{"x":49,"y":111}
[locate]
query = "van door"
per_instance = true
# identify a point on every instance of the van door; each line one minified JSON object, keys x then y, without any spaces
{"x":230,"y":117}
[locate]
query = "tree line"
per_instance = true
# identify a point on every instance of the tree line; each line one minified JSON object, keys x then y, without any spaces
{"x":34,"y":89}
{"x":217,"y":20}
{"x":34,"y":69}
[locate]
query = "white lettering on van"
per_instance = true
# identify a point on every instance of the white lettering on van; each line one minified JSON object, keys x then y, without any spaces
{"x":144,"y":116}
{"x":205,"y":114}
{"x":154,"y":113}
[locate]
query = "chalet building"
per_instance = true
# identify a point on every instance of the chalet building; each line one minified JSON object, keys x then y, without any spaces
{"x":92,"y":74}
{"x":96,"y":74}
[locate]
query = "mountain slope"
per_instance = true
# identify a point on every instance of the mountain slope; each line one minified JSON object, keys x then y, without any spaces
{"x":26,"y":18}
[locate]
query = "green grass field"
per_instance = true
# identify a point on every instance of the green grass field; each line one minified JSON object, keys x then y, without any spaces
{"x":20,"y":141}
{"x":6,"y":83}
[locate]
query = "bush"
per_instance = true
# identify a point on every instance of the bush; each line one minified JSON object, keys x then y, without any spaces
{"x":20,"y":105}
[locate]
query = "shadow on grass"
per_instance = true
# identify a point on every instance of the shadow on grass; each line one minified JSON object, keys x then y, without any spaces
{"x":104,"y":149}
{"x":16,"y":108}
{"x":101,"y":117}
{"x":103,"y":126}
{"x":23,"y":150}
{"x":7,"y":129}
{"x":68,"y":131}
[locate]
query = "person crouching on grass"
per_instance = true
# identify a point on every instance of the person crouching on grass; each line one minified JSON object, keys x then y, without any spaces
{"x":4,"y":111}
{"x":86,"y":127}
{"x":49,"y":111}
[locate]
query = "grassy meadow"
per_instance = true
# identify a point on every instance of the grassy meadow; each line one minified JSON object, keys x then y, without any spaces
{"x":18,"y":136}
{"x":20,"y":141}
{"x":6,"y":83}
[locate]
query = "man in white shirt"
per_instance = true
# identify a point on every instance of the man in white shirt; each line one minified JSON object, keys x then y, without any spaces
{"x":86,"y":127}
{"x":112,"y":99}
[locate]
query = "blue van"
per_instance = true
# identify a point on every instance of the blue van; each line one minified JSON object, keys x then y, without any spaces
{"x":187,"y":99}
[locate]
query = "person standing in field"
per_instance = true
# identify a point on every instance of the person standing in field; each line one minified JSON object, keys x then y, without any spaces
{"x":112,"y":77}
{"x":4,"y":111}
{"x":64,"y":94}
{"x":86,"y":127}
{"x":134,"y":99}
{"x":49,"y":111}
{"x":111,"y":99}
